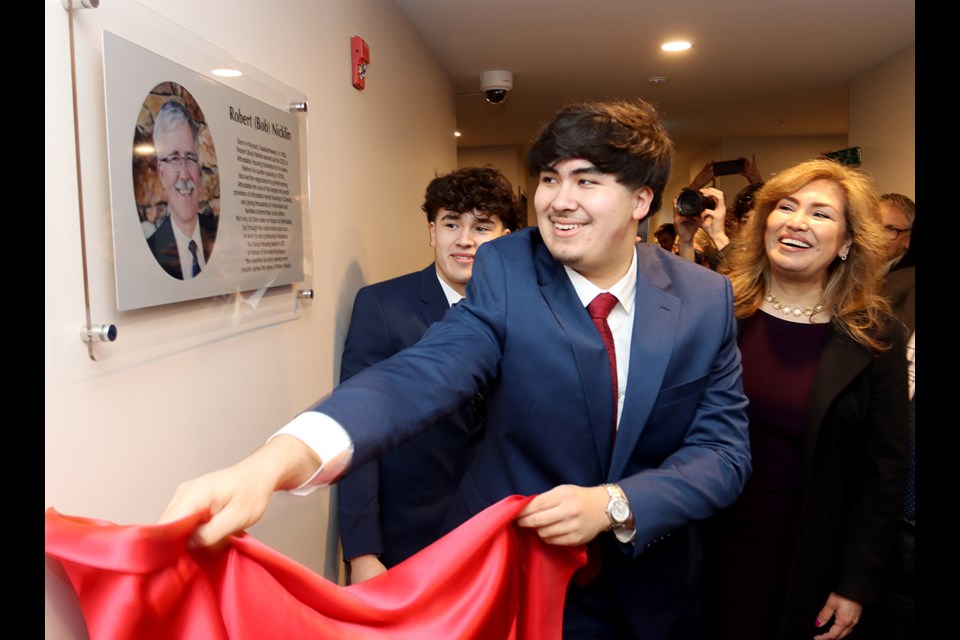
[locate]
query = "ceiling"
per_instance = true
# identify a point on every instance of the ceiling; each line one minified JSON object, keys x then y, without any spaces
{"x":757,"y":67}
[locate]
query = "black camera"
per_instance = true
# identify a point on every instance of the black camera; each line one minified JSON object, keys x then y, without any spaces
{"x":692,"y":203}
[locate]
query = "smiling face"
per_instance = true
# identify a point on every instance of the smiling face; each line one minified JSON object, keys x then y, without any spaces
{"x":588,"y":220}
{"x":455,"y":238}
{"x":806,"y":231}
{"x":179,"y":170}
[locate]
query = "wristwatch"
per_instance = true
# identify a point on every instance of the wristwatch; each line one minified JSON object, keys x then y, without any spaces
{"x":618,"y":509}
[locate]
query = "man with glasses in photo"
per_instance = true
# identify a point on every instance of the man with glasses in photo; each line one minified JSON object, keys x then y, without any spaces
{"x":897,"y":213}
{"x":183,"y":241}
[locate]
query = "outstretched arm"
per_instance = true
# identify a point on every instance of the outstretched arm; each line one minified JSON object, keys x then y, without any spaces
{"x":703,"y":178}
{"x":750,"y":171}
{"x":238,"y":496}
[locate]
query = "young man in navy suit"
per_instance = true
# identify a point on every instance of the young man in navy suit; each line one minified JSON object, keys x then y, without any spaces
{"x":393,"y":507}
{"x":627,"y":463}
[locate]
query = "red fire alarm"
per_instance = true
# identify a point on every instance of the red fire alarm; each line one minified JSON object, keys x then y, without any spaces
{"x":360,"y":56}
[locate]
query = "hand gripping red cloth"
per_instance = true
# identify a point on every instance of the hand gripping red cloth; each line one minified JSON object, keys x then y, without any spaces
{"x":487,"y":579}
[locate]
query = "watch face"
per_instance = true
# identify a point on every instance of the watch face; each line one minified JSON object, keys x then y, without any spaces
{"x":619,"y":511}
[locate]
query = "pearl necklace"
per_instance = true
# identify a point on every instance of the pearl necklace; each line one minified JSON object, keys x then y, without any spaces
{"x":787,"y":310}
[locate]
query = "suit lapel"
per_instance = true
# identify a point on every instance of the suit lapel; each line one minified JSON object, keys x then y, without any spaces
{"x":434,"y":302}
{"x":586,"y":344}
{"x":655,"y":320}
{"x":167,"y":246}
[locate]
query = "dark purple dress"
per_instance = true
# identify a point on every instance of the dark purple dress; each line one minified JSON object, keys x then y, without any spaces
{"x":747,"y":545}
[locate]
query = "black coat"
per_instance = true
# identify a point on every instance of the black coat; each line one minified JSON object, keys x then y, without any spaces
{"x":854,"y":465}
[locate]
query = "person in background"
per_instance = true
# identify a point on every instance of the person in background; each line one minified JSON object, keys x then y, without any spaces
{"x":704,"y":251}
{"x":717,"y":224}
{"x":666,"y":236}
{"x":395,"y":506}
{"x":741,"y":211}
{"x":611,"y":378}
{"x":693,"y":232}
{"x":894,"y":617}
{"x":897,"y":212}
{"x":806,"y":545}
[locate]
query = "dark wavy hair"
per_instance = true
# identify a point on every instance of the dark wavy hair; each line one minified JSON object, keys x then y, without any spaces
{"x":622,"y":138}
{"x":852,"y":286}
{"x":483,"y":189}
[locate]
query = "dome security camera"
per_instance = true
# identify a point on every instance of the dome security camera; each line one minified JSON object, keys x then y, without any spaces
{"x":495,"y":85}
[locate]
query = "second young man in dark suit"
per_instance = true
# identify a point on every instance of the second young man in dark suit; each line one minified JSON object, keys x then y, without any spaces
{"x":395,"y":506}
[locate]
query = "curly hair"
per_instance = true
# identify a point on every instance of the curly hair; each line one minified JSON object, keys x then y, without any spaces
{"x":623,"y":138}
{"x":481,"y":189}
{"x":852,"y":286}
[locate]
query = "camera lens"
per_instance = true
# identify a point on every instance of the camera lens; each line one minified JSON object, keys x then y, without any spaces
{"x":496,"y":96}
{"x":692,"y":203}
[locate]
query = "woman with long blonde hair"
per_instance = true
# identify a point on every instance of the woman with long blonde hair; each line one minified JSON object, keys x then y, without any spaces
{"x":804,"y":547}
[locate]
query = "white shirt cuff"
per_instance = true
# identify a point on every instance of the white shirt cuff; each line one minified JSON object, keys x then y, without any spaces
{"x":626,"y":536}
{"x":328,"y":440}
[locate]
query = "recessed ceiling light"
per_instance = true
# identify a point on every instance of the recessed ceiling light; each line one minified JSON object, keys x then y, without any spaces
{"x":227,"y":73}
{"x":676,"y":45}
{"x":456,"y":134}
{"x":657,"y":80}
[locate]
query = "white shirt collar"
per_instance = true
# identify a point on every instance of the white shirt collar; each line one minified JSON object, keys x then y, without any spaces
{"x":625,"y":289}
{"x":453,"y":296}
{"x":183,"y":247}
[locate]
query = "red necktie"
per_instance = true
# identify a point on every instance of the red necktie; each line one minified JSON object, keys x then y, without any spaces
{"x":599,"y":308}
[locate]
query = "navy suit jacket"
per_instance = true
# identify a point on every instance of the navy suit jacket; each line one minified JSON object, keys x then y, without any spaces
{"x":396,"y":506}
{"x":163,"y":243}
{"x":682,"y":449}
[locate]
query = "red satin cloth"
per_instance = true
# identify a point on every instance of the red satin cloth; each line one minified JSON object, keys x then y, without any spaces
{"x":488,"y":579}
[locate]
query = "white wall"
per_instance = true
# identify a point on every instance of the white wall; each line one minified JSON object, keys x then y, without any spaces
{"x":883,"y":122}
{"x":506,"y":159}
{"x":118,"y":440}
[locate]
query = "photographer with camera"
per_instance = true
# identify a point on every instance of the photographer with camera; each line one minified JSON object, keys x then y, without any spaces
{"x":694,"y":210}
{"x":702,"y":207}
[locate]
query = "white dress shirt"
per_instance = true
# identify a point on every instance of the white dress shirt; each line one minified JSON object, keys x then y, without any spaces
{"x":183,"y":249}
{"x":620,"y":319}
{"x":453,"y":296}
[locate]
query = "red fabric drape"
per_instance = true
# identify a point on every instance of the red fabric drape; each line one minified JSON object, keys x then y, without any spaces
{"x":487,"y":579}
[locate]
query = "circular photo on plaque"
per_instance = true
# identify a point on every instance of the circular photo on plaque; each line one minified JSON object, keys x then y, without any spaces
{"x":176,"y":182}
